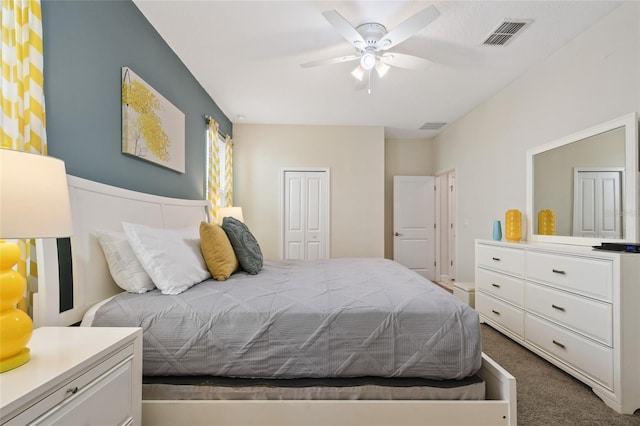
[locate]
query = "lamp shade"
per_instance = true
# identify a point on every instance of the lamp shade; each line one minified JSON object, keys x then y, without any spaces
{"x":235,"y":212}
{"x":34,"y":197}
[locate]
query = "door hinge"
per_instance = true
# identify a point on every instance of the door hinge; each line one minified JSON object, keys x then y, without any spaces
{"x":434,"y":226}
{"x":452,"y":263}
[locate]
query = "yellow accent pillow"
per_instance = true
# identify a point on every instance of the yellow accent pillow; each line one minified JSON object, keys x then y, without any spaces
{"x":217,"y":251}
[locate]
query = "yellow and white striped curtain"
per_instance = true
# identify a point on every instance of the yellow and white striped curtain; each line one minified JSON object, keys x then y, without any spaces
{"x":219,"y":170}
{"x":228,"y":172}
{"x":22,"y":112}
{"x":213,"y":169}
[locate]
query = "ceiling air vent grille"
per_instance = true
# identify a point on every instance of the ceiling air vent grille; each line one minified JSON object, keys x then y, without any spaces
{"x":505,"y":32}
{"x":432,"y":125}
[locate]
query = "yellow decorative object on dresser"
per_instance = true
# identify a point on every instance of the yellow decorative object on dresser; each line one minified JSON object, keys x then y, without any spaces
{"x":513,"y":226}
{"x":547,"y":222}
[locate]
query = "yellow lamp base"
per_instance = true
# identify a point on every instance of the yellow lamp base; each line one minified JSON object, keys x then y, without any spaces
{"x":15,"y":361}
{"x":15,"y":325}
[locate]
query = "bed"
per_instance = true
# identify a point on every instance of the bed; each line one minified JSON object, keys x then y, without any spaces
{"x":257,"y":303}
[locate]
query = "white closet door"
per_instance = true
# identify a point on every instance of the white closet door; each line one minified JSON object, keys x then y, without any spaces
{"x":305,"y":215}
{"x":294,"y":215}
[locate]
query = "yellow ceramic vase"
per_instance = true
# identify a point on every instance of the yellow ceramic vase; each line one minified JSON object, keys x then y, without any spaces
{"x":546,"y":222}
{"x":513,"y":225}
{"x":15,"y":325}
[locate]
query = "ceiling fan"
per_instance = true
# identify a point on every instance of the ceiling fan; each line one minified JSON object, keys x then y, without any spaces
{"x":372,"y":42}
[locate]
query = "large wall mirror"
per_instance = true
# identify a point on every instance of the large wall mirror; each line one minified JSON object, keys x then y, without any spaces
{"x":588,"y":184}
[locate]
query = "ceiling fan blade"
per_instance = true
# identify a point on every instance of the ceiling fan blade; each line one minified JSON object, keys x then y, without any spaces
{"x":402,"y":60}
{"x":345,"y":29}
{"x":337,"y":60}
{"x":409,"y":27}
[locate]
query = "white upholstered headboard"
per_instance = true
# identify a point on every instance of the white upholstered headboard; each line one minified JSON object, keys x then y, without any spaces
{"x":96,"y":206}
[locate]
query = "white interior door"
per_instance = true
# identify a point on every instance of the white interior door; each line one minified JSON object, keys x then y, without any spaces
{"x":441,"y":239}
{"x":597,"y":203}
{"x":445,"y":241}
{"x":451,"y":224}
{"x":305,"y":215}
{"x":414,"y":223}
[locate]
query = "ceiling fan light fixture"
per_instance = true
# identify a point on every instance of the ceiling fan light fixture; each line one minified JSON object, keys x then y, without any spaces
{"x":358,"y":73}
{"x":382,"y":68}
{"x":368,"y":60}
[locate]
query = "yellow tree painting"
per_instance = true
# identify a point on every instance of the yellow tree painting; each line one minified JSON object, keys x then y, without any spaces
{"x":153,"y":128}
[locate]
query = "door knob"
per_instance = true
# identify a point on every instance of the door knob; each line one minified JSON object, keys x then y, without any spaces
{"x":397,"y":234}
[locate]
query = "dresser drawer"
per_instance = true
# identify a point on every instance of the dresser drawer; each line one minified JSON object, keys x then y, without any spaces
{"x":591,"y":277}
{"x":503,"y":286}
{"x":509,"y":260}
{"x":587,"y":316}
{"x":590,"y":358}
{"x":502,"y":313}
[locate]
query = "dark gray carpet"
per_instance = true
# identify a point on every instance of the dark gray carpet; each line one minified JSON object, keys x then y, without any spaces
{"x":546,"y":394}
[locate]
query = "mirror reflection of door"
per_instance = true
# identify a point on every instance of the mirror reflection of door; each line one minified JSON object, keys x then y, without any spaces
{"x":597,"y":202}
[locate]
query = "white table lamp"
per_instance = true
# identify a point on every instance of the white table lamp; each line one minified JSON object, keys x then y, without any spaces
{"x":34,"y":203}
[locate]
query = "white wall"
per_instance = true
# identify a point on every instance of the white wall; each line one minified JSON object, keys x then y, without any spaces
{"x":594,"y":78}
{"x":402,"y":157}
{"x":355,"y":157}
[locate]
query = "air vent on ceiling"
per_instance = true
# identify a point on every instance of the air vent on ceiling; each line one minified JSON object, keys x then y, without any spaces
{"x":432,"y":125}
{"x":505,"y":32}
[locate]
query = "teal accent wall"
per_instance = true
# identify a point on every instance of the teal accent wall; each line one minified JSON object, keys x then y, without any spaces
{"x":86,"y":43}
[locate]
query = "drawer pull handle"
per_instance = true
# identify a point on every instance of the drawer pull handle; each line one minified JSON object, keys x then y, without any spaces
{"x":497,"y":259}
{"x":495,"y":312}
{"x":495,"y":285}
{"x":558,"y":271}
{"x":555,"y":342}
{"x":560,"y":308}
{"x":72,"y":390}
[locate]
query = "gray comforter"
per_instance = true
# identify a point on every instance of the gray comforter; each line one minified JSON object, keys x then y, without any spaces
{"x":328,"y":318}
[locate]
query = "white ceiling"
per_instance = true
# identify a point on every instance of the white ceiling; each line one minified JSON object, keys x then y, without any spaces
{"x":247,"y":56}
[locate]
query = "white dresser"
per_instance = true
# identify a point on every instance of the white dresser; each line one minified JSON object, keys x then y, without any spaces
{"x":577,"y":307}
{"x":76,"y":375}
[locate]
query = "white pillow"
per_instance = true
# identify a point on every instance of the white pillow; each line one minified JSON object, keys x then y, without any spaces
{"x":171,"y":257}
{"x":123,"y":264}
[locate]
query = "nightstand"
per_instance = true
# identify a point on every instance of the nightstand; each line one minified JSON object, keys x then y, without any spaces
{"x":76,"y":375}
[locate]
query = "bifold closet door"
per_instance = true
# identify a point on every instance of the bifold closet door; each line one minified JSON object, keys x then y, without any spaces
{"x":305,"y":215}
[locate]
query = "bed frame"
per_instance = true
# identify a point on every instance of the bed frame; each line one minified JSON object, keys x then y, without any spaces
{"x":98,"y":206}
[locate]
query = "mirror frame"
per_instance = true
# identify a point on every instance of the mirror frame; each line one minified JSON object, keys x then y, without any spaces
{"x":631,"y":182}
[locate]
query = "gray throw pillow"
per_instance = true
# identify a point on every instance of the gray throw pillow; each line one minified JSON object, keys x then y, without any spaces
{"x":244,"y":244}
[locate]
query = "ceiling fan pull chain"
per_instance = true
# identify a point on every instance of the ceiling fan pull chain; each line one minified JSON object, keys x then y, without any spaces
{"x":369,"y":90}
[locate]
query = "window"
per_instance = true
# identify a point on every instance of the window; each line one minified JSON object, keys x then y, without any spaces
{"x":219,"y":179}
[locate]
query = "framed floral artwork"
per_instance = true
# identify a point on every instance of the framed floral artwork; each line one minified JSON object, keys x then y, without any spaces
{"x":153,"y":129}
